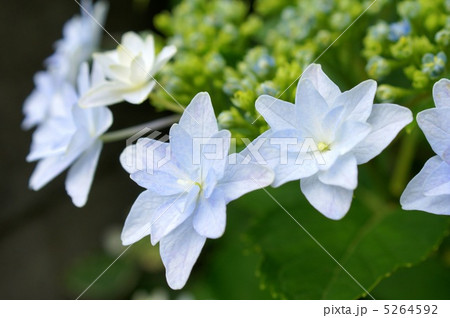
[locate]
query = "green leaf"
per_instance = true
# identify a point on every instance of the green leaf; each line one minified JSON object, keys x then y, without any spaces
{"x":227,"y":267}
{"x":428,"y":280}
{"x":371,"y":242}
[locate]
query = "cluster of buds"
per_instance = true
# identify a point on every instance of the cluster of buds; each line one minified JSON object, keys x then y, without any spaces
{"x":409,"y":53}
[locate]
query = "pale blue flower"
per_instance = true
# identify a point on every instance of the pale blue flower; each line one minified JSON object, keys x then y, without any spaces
{"x":346,"y":130}
{"x":130,"y":70}
{"x":185,"y":198}
{"x":70,"y":137}
{"x":430,"y":190}
{"x":81,"y":37}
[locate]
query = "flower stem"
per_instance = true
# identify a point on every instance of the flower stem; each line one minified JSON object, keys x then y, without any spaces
{"x":122,"y":134}
{"x":404,"y":162}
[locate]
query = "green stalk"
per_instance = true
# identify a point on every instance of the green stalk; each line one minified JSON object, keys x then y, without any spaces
{"x":404,"y":162}
{"x":130,"y":131}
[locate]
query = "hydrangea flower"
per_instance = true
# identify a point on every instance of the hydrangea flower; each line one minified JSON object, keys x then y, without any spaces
{"x":346,"y":128}
{"x":430,"y":190}
{"x":82,"y":36}
{"x":81,"y":39}
{"x":71,"y":137}
{"x":185,"y":199}
{"x":130,"y":70}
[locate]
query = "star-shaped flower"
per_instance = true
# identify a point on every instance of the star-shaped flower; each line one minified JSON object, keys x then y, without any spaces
{"x":71,"y":138}
{"x":186,"y":197}
{"x":130,"y":70}
{"x":430,"y":190}
{"x":334,"y":132}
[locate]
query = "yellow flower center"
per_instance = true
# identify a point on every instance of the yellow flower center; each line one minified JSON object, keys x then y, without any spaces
{"x":322,"y":146}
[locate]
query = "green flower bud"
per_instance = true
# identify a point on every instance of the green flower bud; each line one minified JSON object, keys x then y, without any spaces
{"x":378,"y":67}
{"x":403,"y":48}
{"x":340,"y":20}
{"x":267,"y":88}
{"x":420,"y":80}
{"x":442,"y":37}
{"x":388,"y":93}
{"x":408,"y":9}
{"x":379,"y":31}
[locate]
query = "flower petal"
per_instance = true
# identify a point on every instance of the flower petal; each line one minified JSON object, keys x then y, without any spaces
{"x":198,"y":118}
{"x":441,"y":93}
{"x":163,"y":57}
{"x":146,"y":155}
{"x":277,"y":113}
{"x":175,"y":210}
{"x":107,"y":93}
{"x":322,"y":83}
{"x":332,"y":201}
{"x":438,"y":181}
{"x":138,"y":71}
{"x":343,"y":173}
{"x":435,"y":124}
{"x":137,"y":95}
{"x":81,"y":174}
{"x":358,"y":101}
{"x":210,"y":216}
{"x":311,"y":108}
{"x":182,"y":148}
{"x":349,"y":135}
{"x":47,"y":169}
{"x":386,"y":121}
{"x":160,"y":182}
{"x":413,"y":198}
{"x":214,"y":153}
{"x":138,"y":222}
{"x":240,"y":179}
{"x":179,"y":252}
{"x":288,"y":154}
{"x":131,"y":45}
{"x":148,"y":51}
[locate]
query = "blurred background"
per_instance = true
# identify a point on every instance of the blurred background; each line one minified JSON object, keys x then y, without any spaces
{"x":50,"y":249}
{"x":41,"y":233}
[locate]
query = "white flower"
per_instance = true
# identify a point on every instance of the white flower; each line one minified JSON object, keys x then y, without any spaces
{"x":430,"y":190}
{"x":71,"y":138}
{"x":81,"y":39}
{"x":346,"y":130}
{"x":130,"y":70}
{"x":185,"y":201}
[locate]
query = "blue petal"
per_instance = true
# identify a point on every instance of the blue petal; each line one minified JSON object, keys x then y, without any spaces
{"x":435,"y":123}
{"x":277,"y":113}
{"x":322,"y":83}
{"x":343,"y":173}
{"x":198,"y":118}
{"x":240,"y":178}
{"x":332,"y":201}
{"x":358,"y":101}
{"x":179,"y":252}
{"x":438,"y":181}
{"x":441,"y":93}
{"x":210,"y":216}
{"x":413,"y":198}
{"x":386,"y":121}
